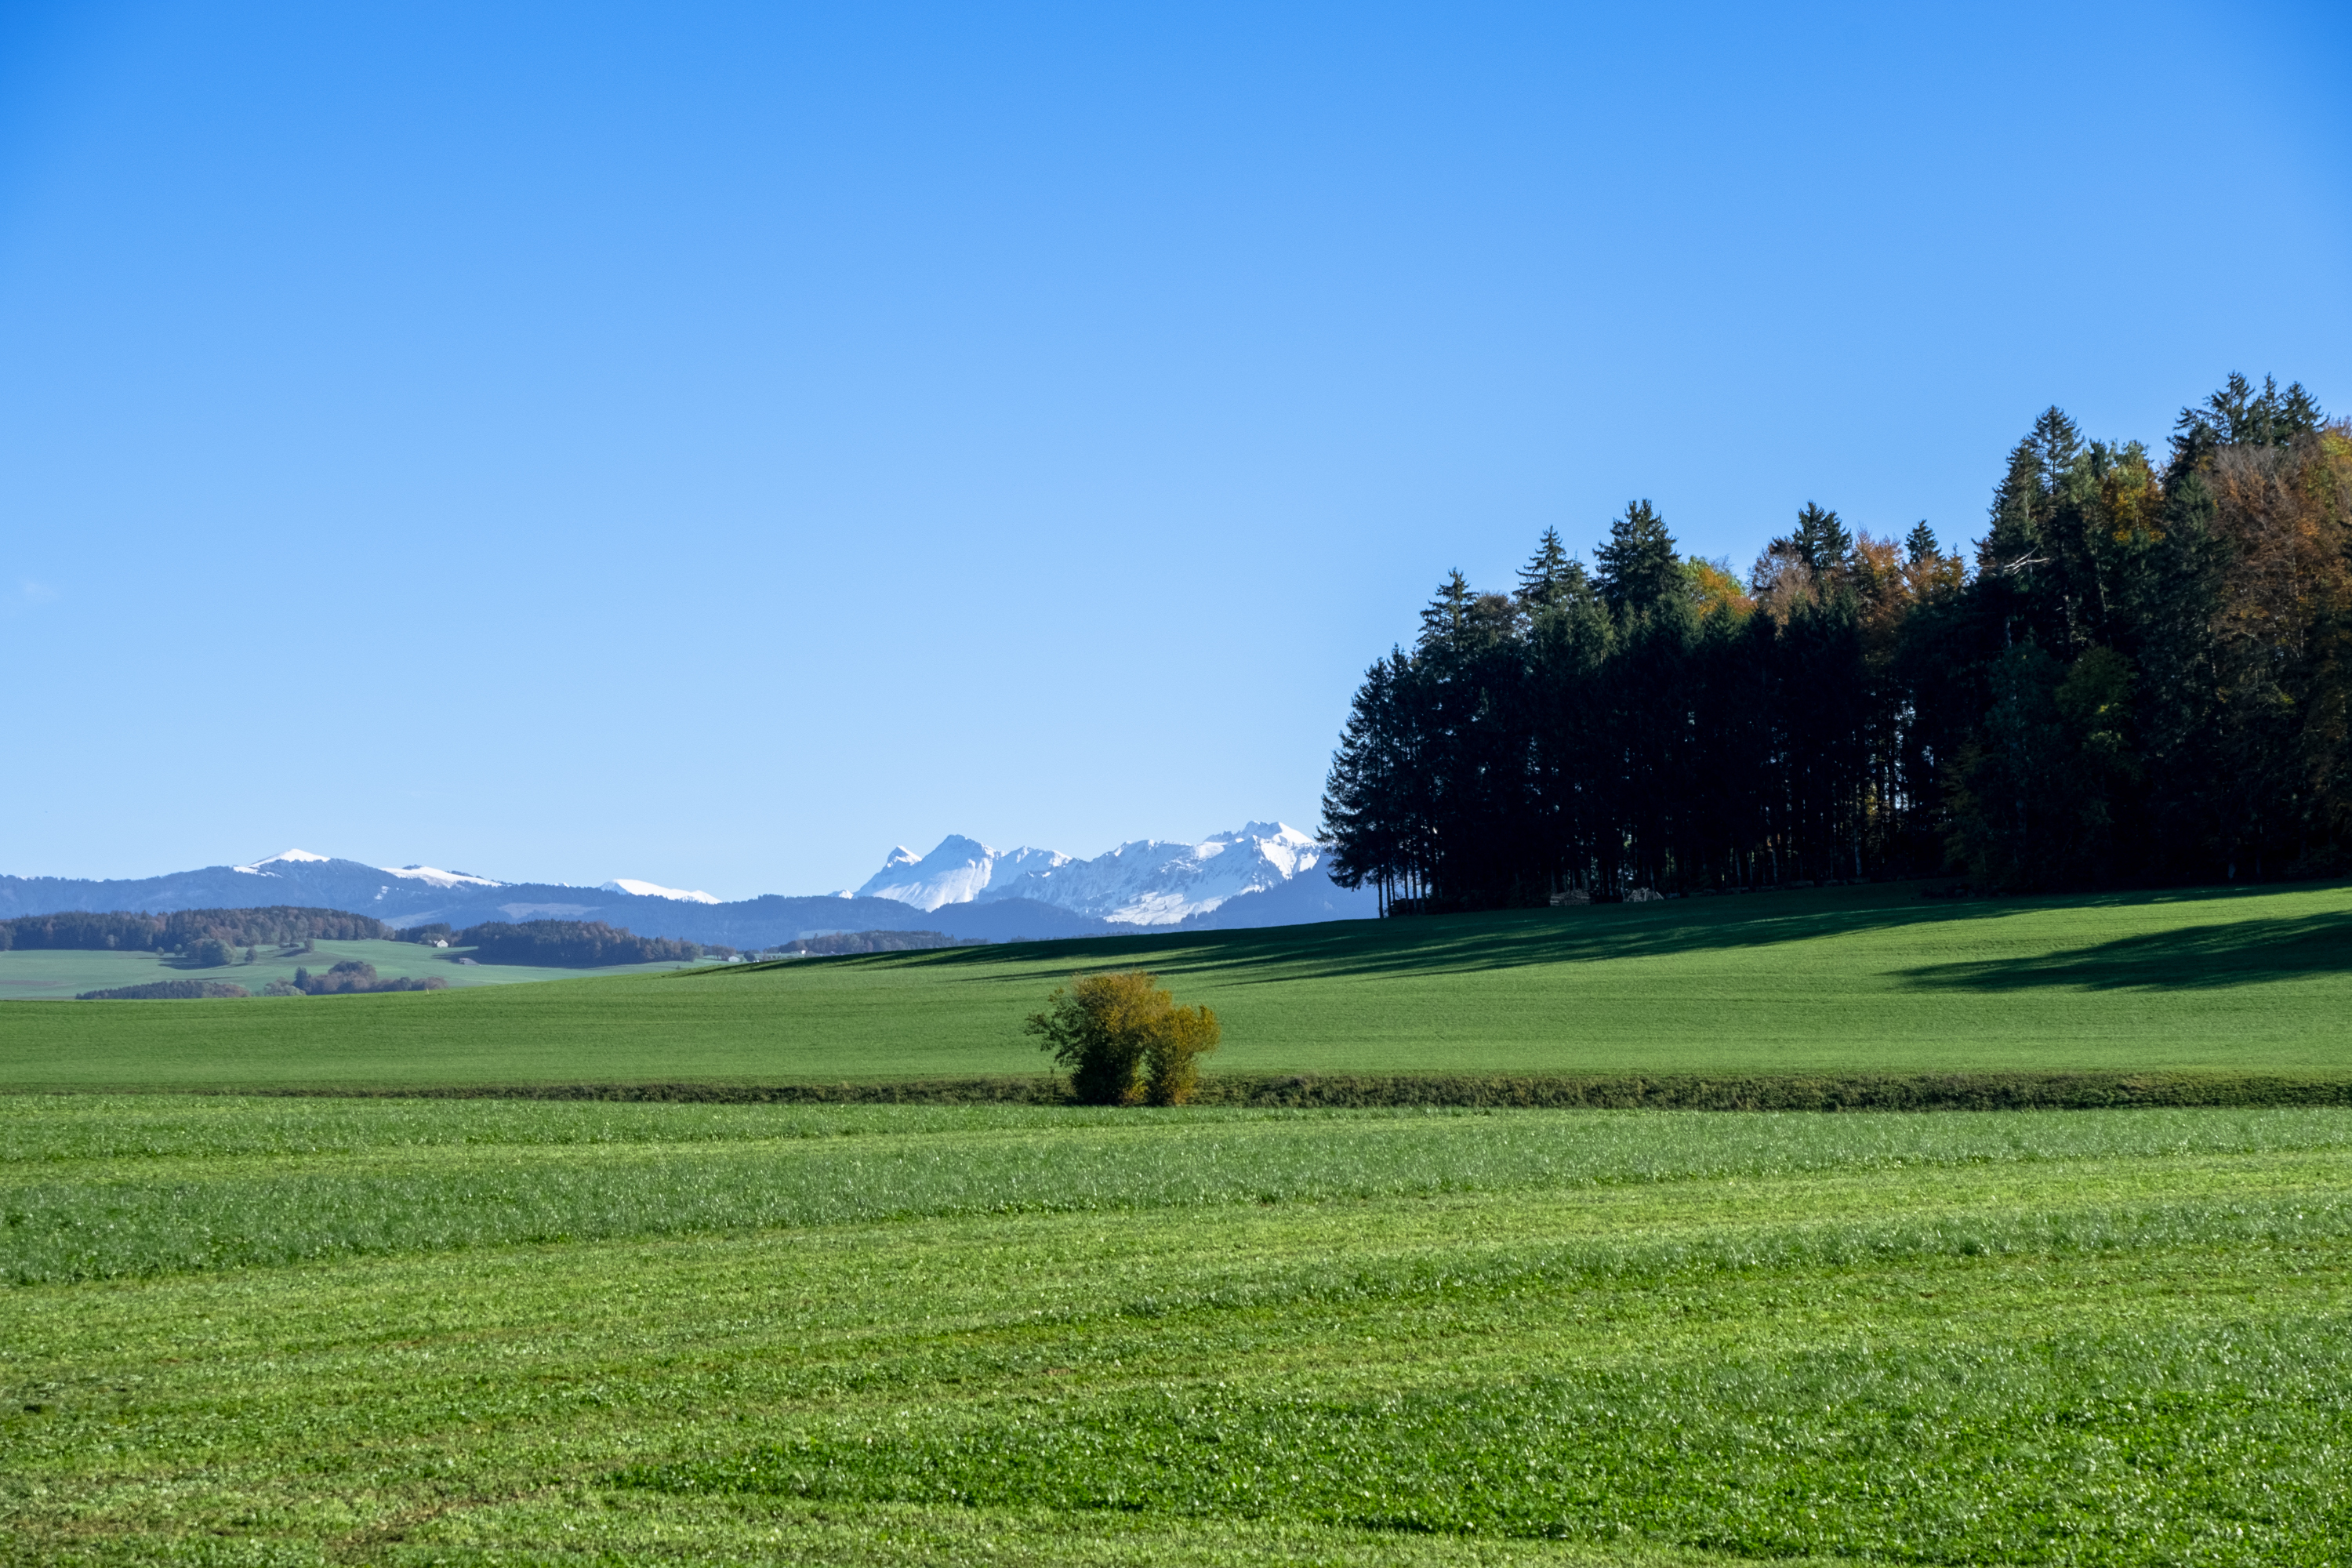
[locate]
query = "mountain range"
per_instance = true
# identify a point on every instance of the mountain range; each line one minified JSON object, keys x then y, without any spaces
{"x":1148,"y":882}
{"x":1265,"y":874}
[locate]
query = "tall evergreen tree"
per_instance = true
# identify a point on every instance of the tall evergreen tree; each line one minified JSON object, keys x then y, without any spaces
{"x":2238,"y":416}
{"x":2022,"y":504}
{"x":1639,"y":566}
{"x":1822,"y":541}
{"x":1445,"y":619}
{"x":2299,"y":413}
{"x":1551,"y":576}
{"x":1367,"y":800}
{"x":2057,"y":441}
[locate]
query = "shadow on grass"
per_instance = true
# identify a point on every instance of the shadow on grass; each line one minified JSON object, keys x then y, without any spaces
{"x":2194,"y":958}
{"x":1432,"y":944}
{"x":1467,"y":944}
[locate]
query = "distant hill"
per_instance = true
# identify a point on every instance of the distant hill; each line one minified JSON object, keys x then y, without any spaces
{"x":422,"y":895}
{"x":1265,"y":874}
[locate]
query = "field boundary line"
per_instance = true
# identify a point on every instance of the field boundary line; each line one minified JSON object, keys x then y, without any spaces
{"x":1686,"y":1091}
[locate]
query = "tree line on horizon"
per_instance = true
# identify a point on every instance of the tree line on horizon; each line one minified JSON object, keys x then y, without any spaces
{"x":575,"y":944}
{"x":209,"y":938}
{"x":183,"y":931}
{"x":2139,"y":676}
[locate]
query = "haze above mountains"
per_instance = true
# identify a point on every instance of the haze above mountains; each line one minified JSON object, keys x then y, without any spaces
{"x":1264,"y":874}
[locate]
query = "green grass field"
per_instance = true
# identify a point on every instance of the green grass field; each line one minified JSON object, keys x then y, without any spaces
{"x":280,"y":1330}
{"x":1836,"y":980}
{"x":296,"y":1330}
{"x":61,"y":974}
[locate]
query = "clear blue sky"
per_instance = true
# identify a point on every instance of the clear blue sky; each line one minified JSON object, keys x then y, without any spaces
{"x":715,"y":443}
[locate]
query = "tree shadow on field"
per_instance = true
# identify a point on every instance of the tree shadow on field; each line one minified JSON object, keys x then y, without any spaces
{"x":1473,"y":944}
{"x":2230,"y":953}
{"x":2193,"y":958}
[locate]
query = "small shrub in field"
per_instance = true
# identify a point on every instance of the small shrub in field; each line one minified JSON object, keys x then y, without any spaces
{"x":1124,"y":1039}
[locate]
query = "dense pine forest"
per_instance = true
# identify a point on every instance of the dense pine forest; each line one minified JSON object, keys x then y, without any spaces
{"x":2141,"y":677}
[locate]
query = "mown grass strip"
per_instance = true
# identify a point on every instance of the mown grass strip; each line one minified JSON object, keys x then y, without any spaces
{"x":117,"y":1191}
{"x":1727,"y":1367}
{"x":2122,"y":1448}
{"x":930,"y":1333}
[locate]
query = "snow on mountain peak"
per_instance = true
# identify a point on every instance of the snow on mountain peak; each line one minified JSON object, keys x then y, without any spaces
{"x":1150,"y":881}
{"x":434,"y":877}
{"x":1147,"y":881}
{"x":960,"y":870}
{"x":291,"y":855}
{"x":656,"y":891}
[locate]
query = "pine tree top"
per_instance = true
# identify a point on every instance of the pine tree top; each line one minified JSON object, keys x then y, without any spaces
{"x":1551,"y":577}
{"x":1640,"y":566}
{"x":2238,"y":416}
{"x":1821,"y":540}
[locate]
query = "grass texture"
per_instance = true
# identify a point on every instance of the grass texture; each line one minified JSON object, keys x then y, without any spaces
{"x":303,"y":1331}
{"x":1828,"y":982}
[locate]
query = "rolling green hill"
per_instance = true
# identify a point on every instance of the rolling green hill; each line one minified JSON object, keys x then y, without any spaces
{"x":1830,"y":981}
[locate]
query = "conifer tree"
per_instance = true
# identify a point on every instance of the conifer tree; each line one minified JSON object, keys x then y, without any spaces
{"x":2238,"y":416}
{"x":1822,"y":541}
{"x":1551,"y":576}
{"x":1639,"y":566}
{"x":2057,"y":440}
{"x":2299,"y":413}
{"x":1368,"y":803}
{"x":1445,"y":619}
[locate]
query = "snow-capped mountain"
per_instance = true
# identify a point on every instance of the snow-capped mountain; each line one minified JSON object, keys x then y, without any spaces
{"x":1148,"y":882}
{"x":434,"y":877}
{"x":420,"y":895}
{"x":431,"y":876}
{"x":630,"y":885}
{"x":1264,"y":875}
{"x":285,"y":857}
{"x":959,"y":871}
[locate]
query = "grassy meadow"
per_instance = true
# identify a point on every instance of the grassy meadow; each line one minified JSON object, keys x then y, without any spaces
{"x":471,"y":1332}
{"x":56,"y":975}
{"x":1871,"y":979}
{"x":311,"y":1329}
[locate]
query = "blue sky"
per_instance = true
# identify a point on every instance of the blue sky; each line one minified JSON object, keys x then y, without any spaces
{"x":715,"y":443}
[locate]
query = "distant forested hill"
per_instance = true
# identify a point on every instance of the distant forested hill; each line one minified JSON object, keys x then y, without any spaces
{"x":404,"y":900}
{"x":131,"y":932}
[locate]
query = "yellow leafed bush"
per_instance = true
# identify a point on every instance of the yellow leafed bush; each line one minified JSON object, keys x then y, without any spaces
{"x":1124,"y":1039}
